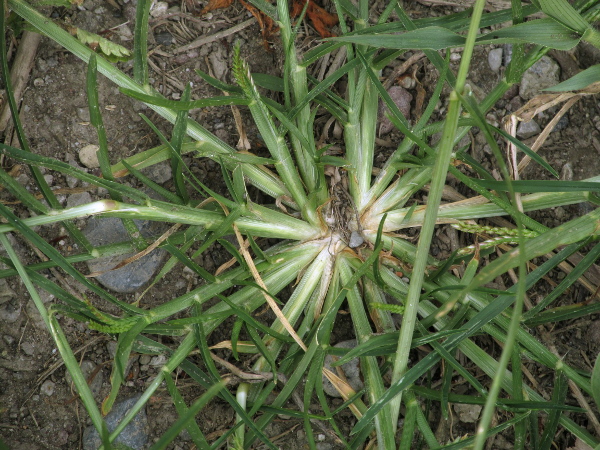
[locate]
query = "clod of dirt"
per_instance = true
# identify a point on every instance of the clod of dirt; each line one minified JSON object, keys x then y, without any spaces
{"x":543,"y":74}
{"x":135,"y":434}
{"x":401,"y":98}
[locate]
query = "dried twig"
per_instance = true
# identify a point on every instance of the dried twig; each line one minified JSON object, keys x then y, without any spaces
{"x":214,"y":37}
{"x":20,"y":71}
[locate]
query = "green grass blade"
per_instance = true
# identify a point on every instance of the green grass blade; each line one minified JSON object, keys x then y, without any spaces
{"x":140,"y":43}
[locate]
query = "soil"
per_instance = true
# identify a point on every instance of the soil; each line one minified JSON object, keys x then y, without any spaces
{"x":38,"y":408}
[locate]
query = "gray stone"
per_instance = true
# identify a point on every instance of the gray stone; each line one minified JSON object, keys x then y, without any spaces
{"x":402,"y":98}
{"x":165,"y":38}
{"x":6,"y":293}
{"x":135,"y":434}
{"x":34,"y":314}
{"x":507,"y":54}
{"x":467,"y":413}
{"x":495,"y":59}
{"x":527,"y":129}
{"x":351,"y":370}
{"x":562,"y":124}
{"x":129,"y":278}
{"x":159,"y":173}
{"x":28,"y":348}
{"x":10,"y":311}
{"x":81,"y":198}
{"x":543,"y":74}
{"x":88,"y":368}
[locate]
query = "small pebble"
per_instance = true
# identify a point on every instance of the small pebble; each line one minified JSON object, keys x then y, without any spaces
{"x":160,"y":9}
{"x":351,"y":370}
{"x":467,"y":413}
{"x":495,"y":59}
{"x":79,"y":199}
{"x":356,"y":240}
{"x":28,"y":348}
{"x":89,"y":157}
{"x":566,"y":173}
{"x":164,"y":38}
{"x":47,"y":388}
{"x":527,"y":129}
{"x":402,"y":98}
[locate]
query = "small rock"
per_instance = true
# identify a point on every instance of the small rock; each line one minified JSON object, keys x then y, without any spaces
{"x":23,"y":179}
{"x":135,"y":434}
{"x":543,"y":74}
{"x":402,"y":98}
{"x":324,"y":446}
{"x":159,"y":173}
{"x":28,"y":348}
{"x":10,"y":311}
{"x":111,"y":348}
{"x":165,"y":38}
{"x":220,"y":64}
{"x":356,"y":240}
{"x":130,"y":278}
{"x":495,"y":59}
{"x":81,"y":198}
{"x":562,"y":124}
{"x":467,"y":413}
{"x":145,"y":359}
{"x":160,"y":9}
{"x":88,"y":368}
{"x":527,"y":129}
{"x":47,"y":388}
{"x":507,"y":54}
{"x":6,"y":293}
{"x":158,"y":360}
{"x":351,"y":370}
{"x":88,"y":156}
{"x":566,"y":172}
{"x":33,"y":312}
{"x":83,"y":114}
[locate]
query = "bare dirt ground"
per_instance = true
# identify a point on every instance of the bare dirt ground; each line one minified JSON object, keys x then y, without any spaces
{"x":38,"y":408}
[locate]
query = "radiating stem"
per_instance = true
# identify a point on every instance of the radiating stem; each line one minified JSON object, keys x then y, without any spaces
{"x":438,"y":181}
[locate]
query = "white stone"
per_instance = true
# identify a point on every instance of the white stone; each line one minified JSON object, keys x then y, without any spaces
{"x":495,"y":59}
{"x":47,"y":388}
{"x":89,"y":157}
{"x":159,"y":9}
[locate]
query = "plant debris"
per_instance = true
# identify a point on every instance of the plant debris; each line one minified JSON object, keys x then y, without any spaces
{"x":322,"y":20}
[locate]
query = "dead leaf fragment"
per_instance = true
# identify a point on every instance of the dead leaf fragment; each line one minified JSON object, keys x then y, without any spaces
{"x":215,"y":4}
{"x":320,"y":18}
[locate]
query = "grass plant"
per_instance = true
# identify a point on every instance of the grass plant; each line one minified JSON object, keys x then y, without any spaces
{"x":330,"y":233}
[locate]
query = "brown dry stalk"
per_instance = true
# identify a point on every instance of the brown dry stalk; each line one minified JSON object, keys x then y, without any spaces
{"x":286,"y":324}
